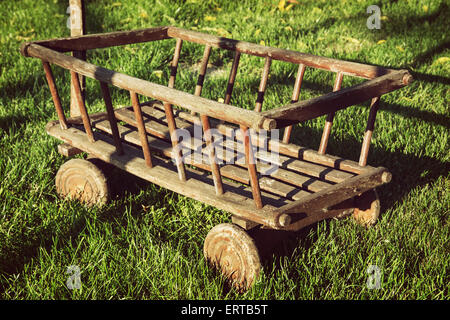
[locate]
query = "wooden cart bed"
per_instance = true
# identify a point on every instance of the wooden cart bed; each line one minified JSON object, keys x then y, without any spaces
{"x":260,"y":180}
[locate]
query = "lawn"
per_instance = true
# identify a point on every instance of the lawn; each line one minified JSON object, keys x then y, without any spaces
{"x":147,"y":243}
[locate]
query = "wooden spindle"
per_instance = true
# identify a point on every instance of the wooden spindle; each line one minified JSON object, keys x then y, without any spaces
{"x":81,"y":106}
{"x":202,"y":71}
{"x":111,"y":118}
{"x":232,"y":77}
{"x":212,"y":155}
{"x":55,"y":95}
{"x":174,"y":139}
{"x":369,"y":130}
{"x":330,"y":118}
{"x":263,"y":84}
{"x":141,"y":128}
{"x":295,"y":96}
{"x":169,"y":114}
{"x":174,"y":64}
{"x":251,"y":165}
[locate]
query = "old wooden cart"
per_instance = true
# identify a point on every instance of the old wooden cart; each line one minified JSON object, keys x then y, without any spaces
{"x":306,"y":186}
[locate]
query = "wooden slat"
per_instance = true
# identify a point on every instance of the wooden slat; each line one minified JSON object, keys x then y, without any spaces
{"x":330,"y":117}
{"x":369,"y":130}
{"x":234,"y":172}
{"x":306,"y":182}
{"x":263,"y":84}
{"x":55,"y":95}
{"x":251,"y":166}
{"x":232,"y":77}
{"x":295,"y":97}
{"x":102,"y":40}
{"x":346,"y":67}
{"x":339,"y":192}
{"x":287,"y":149}
{"x":141,"y":129}
{"x":82,"y":106}
{"x":199,"y":187}
{"x":111,"y":117}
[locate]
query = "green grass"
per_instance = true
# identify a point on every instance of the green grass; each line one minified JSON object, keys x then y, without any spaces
{"x":147,"y":244}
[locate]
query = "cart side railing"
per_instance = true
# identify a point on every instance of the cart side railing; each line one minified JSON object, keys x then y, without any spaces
{"x":381,"y":81}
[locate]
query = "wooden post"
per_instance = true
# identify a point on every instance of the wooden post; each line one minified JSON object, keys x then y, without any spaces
{"x":295,"y":96}
{"x":81,"y":106}
{"x":330,"y":117}
{"x":77,"y":28}
{"x":263,"y":84}
{"x":55,"y":95}
{"x":112,"y":119}
{"x":369,"y":130}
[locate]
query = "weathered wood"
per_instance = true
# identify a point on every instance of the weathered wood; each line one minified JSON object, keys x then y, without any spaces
{"x":77,"y":28}
{"x":111,"y":118}
{"x":295,"y":96}
{"x":174,"y":63}
{"x":287,"y":149}
{"x":55,"y":95}
{"x":251,"y":166}
{"x":232,"y":77}
{"x":202,"y":71}
{"x":82,"y":106}
{"x":263,"y":84}
{"x":369,"y":130}
{"x":234,"y":172}
{"x":334,"y":101}
{"x":101,"y":40}
{"x":67,"y":150}
{"x":212,"y":155}
{"x":141,"y":129}
{"x":199,"y":187}
{"x":346,"y":67}
{"x":330,"y":117}
{"x":175,"y":97}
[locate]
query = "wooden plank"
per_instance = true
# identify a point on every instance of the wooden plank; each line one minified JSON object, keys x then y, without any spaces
{"x":228,"y":170}
{"x":339,"y":192}
{"x":346,"y":67}
{"x":214,"y":109}
{"x":82,"y":106}
{"x":232,"y":77}
{"x":334,"y":101}
{"x":288,"y":149}
{"x":111,"y":118}
{"x":101,"y":40}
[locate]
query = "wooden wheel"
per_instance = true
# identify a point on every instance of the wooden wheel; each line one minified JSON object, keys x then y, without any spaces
{"x":82,"y":180}
{"x":231,"y":250}
{"x":367,"y":208}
